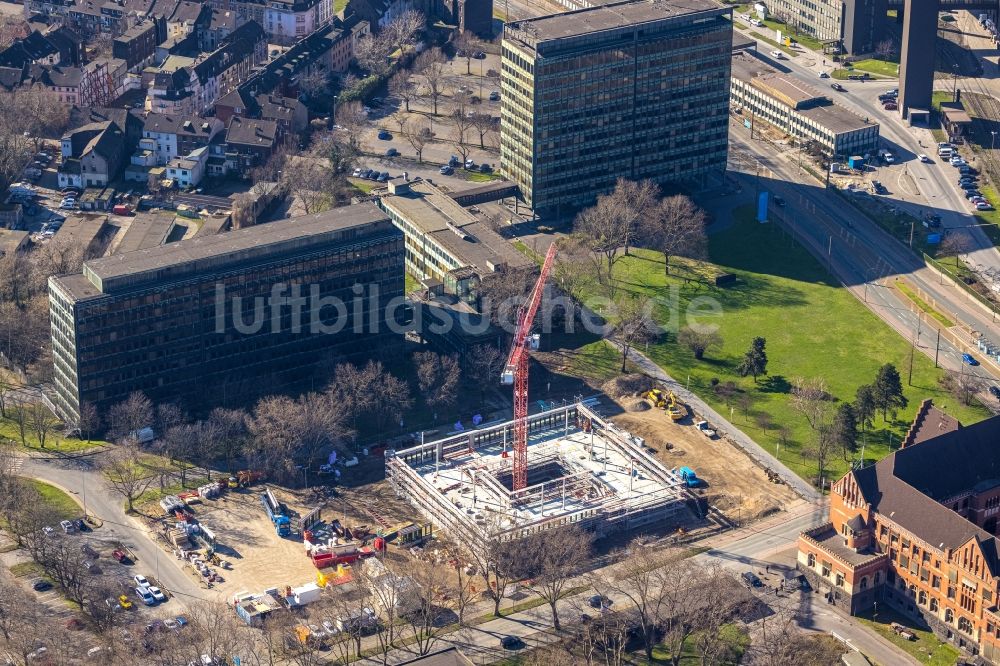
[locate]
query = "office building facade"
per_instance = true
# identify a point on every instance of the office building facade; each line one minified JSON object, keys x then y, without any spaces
{"x":629,"y":89}
{"x":225,"y":318}
{"x":855,"y":26}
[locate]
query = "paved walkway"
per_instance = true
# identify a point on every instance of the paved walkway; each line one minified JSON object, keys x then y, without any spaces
{"x":723,"y":426}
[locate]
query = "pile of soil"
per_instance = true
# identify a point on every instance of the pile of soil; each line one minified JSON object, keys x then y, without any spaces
{"x":637,"y":406}
{"x":633,"y":384}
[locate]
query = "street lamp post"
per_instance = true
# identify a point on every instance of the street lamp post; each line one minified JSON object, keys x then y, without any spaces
{"x":993,"y":140}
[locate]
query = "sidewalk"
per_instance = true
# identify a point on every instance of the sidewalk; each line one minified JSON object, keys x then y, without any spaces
{"x":724,"y":427}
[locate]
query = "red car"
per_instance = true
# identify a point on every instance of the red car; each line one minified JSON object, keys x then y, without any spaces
{"x":890,"y":106}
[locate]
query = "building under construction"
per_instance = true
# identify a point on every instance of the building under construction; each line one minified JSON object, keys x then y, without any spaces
{"x":581,"y":470}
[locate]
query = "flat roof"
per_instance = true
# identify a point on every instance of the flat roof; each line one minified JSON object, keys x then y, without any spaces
{"x":80,"y":230}
{"x":11,"y":240}
{"x":147,"y":230}
{"x":955,"y":112}
{"x":604,"y":17}
{"x":216,"y":252}
{"x":795,"y":93}
{"x":454,"y":228}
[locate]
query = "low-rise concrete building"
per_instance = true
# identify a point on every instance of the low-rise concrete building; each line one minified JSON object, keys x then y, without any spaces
{"x":445,"y":242}
{"x":761,"y":94}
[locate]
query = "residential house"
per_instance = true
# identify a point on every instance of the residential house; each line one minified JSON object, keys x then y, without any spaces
{"x":916,"y":532}
{"x":379,"y":13}
{"x":35,"y":49}
{"x":289,"y":113}
{"x":175,"y":92}
{"x":188,"y":171}
{"x":249,"y":144}
{"x":287,"y":21}
{"x":222,"y":24}
{"x":187,"y":17}
{"x":92,"y":155}
{"x":137,"y":45}
{"x":171,"y":136}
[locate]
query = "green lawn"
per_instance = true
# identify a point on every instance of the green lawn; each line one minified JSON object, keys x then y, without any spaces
{"x":338,"y":6}
{"x":597,"y":361}
{"x":880,"y":67}
{"x":939,"y":96}
{"x":62,"y":505}
{"x":733,"y":634}
{"x":363,"y":186}
{"x":55,"y":441}
{"x":411,"y":283}
{"x":477,"y":177}
{"x":927,"y":649}
{"x":813,"y":327}
{"x":922,"y":304}
{"x":25,"y":569}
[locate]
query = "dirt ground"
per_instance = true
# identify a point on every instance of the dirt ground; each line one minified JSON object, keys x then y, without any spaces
{"x":730,"y":480}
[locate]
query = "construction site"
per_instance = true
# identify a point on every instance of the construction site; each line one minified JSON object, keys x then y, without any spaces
{"x":581,"y":469}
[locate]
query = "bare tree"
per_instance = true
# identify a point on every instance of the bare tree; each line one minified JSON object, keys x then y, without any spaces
{"x":466,"y":45}
{"x":483,"y":364}
{"x":418,"y":134}
{"x":7,"y":386}
{"x":125,"y":473}
{"x":130,"y":416}
{"x":495,"y":561}
{"x":243,"y":210}
{"x":885,"y":49}
{"x":463,"y":123}
{"x":11,"y":28}
{"x":372,"y":52}
{"x":430,"y":64}
{"x":635,"y":201}
{"x":437,"y":377}
{"x":963,"y":385}
{"x":484,"y":123}
{"x":401,"y":86}
{"x":402,"y":31}
{"x":400,"y":119}
{"x":20,"y":410}
{"x":65,"y":564}
{"x":311,"y":183}
{"x":603,"y":230}
{"x":42,"y":422}
{"x":551,"y":559}
{"x":633,"y":325}
{"x":677,"y":227}
{"x":390,"y":590}
{"x":699,"y":340}
{"x":425,"y":616}
{"x":811,"y":399}
{"x":224,"y":436}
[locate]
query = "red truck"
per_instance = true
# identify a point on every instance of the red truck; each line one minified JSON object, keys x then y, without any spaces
{"x":121,"y":209}
{"x":120,"y":555}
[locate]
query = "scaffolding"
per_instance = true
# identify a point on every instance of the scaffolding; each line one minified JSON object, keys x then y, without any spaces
{"x":582,"y":470}
{"x":97,"y":87}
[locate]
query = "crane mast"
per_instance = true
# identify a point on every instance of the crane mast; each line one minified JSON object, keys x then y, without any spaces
{"x":516,"y":371}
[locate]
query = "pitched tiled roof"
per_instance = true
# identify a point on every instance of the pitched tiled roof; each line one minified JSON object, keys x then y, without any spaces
{"x":928,"y":423}
{"x":24,"y":51}
{"x":909,"y":485}
{"x":247,"y":132}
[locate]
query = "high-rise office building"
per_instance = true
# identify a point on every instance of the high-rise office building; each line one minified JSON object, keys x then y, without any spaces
{"x":219,"y":319}
{"x":628,"y":89}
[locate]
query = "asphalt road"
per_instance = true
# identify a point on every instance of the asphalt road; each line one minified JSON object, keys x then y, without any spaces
{"x":748,"y":548}
{"x":79,"y":476}
{"x":862,"y":256}
{"x":936,"y":181}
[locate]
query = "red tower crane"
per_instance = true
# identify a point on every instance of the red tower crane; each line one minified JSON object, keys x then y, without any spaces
{"x":516,"y":372}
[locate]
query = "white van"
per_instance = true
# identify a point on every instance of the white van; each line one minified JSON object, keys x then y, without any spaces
{"x":757,"y":23}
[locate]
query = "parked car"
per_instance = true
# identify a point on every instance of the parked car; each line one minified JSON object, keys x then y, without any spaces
{"x":485,"y":168}
{"x":995,"y":392}
{"x":141,"y":580}
{"x":600,"y":602}
{"x":968,"y":185}
{"x":750,"y":579}
{"x":494,"y":96}
{"x":67,"y":526}
{"x":479,"y":55}
{"x":157,"y":593}
{"x":356,"y":173}
{"x":510,"y":642}
{"x":446,"y":170}
{"x":777,"y":55}
{"x":145,"y":596}
{"x":969,"y":360}
{"x":384,"y":135}
{"x":984,"y":205}
{"x":391,"y":152}
{"x":383,"y":177}
{"x":890,"y":106}
{"x":879,"y":187}
{"x":469,"y":164}
{"x":41,"y":586}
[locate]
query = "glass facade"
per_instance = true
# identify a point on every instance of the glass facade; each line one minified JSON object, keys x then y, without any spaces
{"x":232,"y":333}
{"x":649,"y":100}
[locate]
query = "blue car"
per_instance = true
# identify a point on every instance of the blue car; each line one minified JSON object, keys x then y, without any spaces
{"x":384,"y":135}
{"x":968,"y":359}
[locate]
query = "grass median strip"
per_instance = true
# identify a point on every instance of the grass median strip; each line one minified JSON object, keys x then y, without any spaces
{"x":922,"y":304}
{"x":926,"y":649}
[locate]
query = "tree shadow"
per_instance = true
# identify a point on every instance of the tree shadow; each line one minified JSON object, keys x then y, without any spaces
{"x":775,"y":384}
